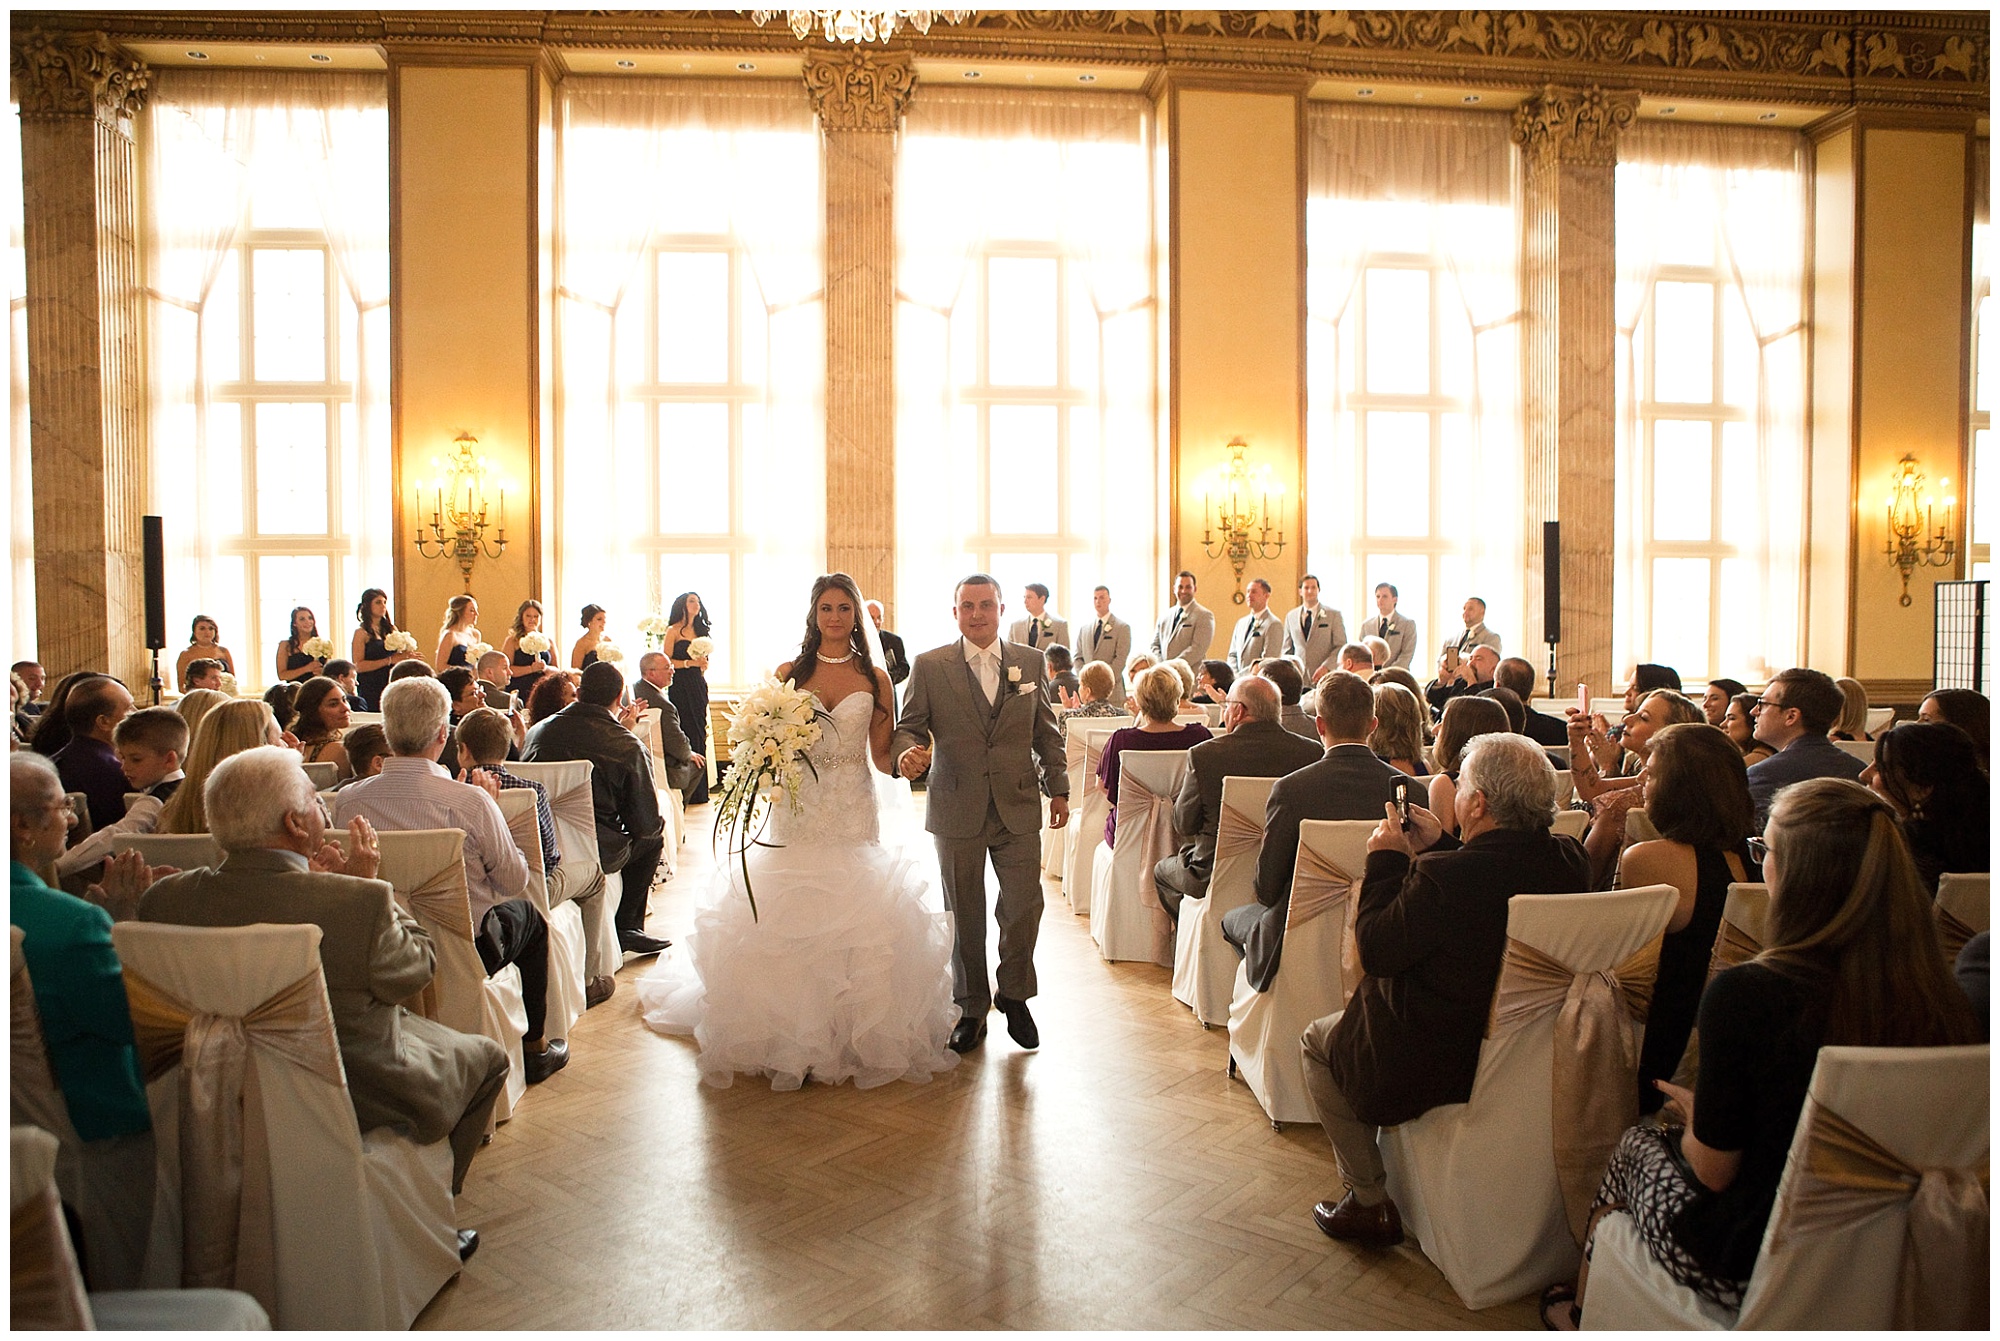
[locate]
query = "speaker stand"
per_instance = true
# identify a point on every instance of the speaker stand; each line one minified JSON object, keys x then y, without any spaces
{"x":157,"y":683}
{"x":1552,"y":668}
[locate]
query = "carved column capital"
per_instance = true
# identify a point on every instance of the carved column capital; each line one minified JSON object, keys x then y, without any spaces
{"x":77,"y":74}
{"x":1573,"y":125}
{"x":858,"y":89}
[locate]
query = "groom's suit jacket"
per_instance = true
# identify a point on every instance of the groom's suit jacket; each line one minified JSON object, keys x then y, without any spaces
{"x":983,"y":754}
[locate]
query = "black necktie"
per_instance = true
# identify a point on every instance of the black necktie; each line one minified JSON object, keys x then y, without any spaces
{"x":1034,"y":631}
{"x":1385,"y":628}
{"x":1249,"y":632}
{"x":1100,"y":634}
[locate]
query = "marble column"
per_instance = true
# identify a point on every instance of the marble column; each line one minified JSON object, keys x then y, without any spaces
{"x":1569,"y":148}
{"x":859,"y":96}
{"x":78,"y":93}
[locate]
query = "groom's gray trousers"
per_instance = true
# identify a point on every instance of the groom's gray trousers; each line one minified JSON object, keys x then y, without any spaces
{"x":1017,"y":860}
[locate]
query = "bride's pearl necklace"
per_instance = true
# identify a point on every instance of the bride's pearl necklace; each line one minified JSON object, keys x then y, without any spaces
{"x":834,"y":661}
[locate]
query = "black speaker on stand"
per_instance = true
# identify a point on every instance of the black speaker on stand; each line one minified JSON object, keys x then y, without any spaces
{"x":153,"y":539}
{"x":1552,"y":593}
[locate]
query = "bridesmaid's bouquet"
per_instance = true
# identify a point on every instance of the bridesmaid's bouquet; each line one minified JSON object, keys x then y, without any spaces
{"x":478,"y":650}
{"x":609,"y":651}
{"x":319,"y":649}
{"x":769,"y":736}
{"x":402,"y":640}
{"x":534,"y":644}
{"x":228,"y":684}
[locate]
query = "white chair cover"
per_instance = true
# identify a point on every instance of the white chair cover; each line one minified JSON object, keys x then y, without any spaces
{"x":1086,"y":816}
{"x":1864,"y":750}
{"x":1964,"y":908}
{"x":565,"y":1004}
{"x":1639,"y":827}
{"x":1126,"y":919}
{"x":1559,"y":751}
{"x":1076,"y":879}
{"x":324,"y":774}
{"x":1477,"y":1182}
{"x":1204,"y":964}
{"x":1571,"y":823}
{"x":362,"y":1231}
{"x":426,"y":867}
{"x":1312,"y":980}
{"x":1565,"y":787}
{"x":590,"y":940}
{"x":1834,"y":1252}
{"x":671,"y":803}
{"x":182,"y":851}
{"x":1878,"y":720}
{"x":355,"y":719}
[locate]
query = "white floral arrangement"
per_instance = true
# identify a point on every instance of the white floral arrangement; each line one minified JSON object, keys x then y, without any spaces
{"x":402,"y":640}
{"x":770,"y":733}
{"x":479,"y":650}
{"x":228,"y":684}
{"x":534,"y":644}
{"x":700,"y":648}
{"x":655,"y":629}
{"x":609,"y":651}
{"x":319,"y":649}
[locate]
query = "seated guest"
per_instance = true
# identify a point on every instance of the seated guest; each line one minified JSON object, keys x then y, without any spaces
{"x":1095,"y":686}
{"x":1647,"y":677}
{"x":367,"y":746}
{"x":1966,"y":709}
{"x":1698,"y":799}
{"x":1355,"y":659}
{"x":1378,"y":652}
{"x":323,"y":718}
{"x":1715,"y":699}
{"x":1062,"y":672}
{"x":1797,"y":710}
{"x":88,"y":763}
{"x":1157,"y":697}
{"x":32,"y":677}
{"x":684,"y":768}
{"x":1608,"y":759}
{"x":150,"y":745}
{"x":51,"y":731}
{"x":341,"y":671}
{"x":413,"y":792}
{"x":461,"y":687}
{"x":631,"y":835}
{"x":1212,"y":680}
{"x":1852,"y":724}
{"x":1740,"y":723}
{"x":414,"y":669}
{"x":283,"y":699}
{"x":1515,"y":674}
{"x":1472,"y":675}
{"x":196,"y":704}
{"x":1253,"y":746}
{"x":1930,"y":773}
{"x":551,"y":694}
{"x":202,"y":673}
{"x":1347,"y":783}
{"x":1464,"y":718}
{"x":17,"y":694}
{"x":238,"y":725}
{"x":1850,"y":960}
{"x":1401,"y":675}
{"x":494,"y":677}
{"x":1291,"y":682}
{"x":1398,"y":739}
{"x":402,"y":1070}
{"x":1135,"y":666}
{"x":1432,"y":929}
{"x":1511,"y":704}
{"x":1185,"y":674}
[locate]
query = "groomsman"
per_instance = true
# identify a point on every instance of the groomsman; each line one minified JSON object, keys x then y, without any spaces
{"x":1186,"y":630}
{"x":1313,"y":633}
{"x":1392,"y":627}
{"x":1259,"y":635}
{"x":1108,"y":640}
{"x":1476,"y":633}
{"x":1040,"y":628}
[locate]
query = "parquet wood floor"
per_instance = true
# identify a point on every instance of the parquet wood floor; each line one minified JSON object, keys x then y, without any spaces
{"x":1114,"y":1179}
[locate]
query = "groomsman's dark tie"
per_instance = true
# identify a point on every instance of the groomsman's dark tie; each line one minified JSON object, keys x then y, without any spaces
{"x":1034,"y":631}
{"x":1100,"y":635}
{"x":1385,"y":629}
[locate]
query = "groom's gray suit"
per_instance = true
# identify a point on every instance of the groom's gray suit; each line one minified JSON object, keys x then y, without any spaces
{"x":983,"y":799}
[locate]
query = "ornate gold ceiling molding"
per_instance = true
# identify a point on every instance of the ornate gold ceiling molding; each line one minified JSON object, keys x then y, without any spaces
{"x":1573,"y":125}
{"x":75,"y":74}
{"x":859,"y":88}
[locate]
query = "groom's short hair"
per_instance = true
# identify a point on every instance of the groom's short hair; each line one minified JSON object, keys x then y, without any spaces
{"x":976,"y":580}
{"x":601,"y":685}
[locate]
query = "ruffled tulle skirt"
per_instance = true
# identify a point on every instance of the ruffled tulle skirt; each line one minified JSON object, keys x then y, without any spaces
{"x":844,"y":975}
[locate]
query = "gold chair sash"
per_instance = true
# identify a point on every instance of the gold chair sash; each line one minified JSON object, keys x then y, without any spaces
{"x":1317,"y":887}
{"x":1847,"y":1176}
{"x":46,"y":1285}
{"x":224,"y":1149}
{"x":1237,"y":833}
{"x":1953,"y":931}
{"x":1733,"y":946}
{"x":439,"y":903}
{"x":1148,"y":819}
{"x":1595,"y":1062}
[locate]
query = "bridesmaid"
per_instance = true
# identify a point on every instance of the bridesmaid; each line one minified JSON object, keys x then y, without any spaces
{"x":204,"y":643}
{"x":372,"y":659}
{"x":457,"y":634}
{"x":689,"y":690}
{"x":292,"y":662}
{"x":585,"y":650}
{"x":526,"y":667}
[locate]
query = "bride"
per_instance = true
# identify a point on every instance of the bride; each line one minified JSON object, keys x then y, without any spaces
{"x":845,"y":974}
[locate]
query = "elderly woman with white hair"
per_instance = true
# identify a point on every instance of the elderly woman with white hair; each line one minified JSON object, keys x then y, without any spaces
{"x":402,"y":1070}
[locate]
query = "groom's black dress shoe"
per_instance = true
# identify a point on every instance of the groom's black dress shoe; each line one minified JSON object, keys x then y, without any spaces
{"x":967,"y":1034}
{"x":1020,"y":1024}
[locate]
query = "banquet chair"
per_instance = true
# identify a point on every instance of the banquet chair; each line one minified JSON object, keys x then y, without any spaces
{"x":182,"y":851}
{"x":1878,"y":720}
{"x":1497,"y":1189}
{"x":1571,"y":823}
{"x":1559,"y":751}
{"x":324,"y":775}
{"x":1744,"y":930}
{"x":1565,"y":788}
{"x":46,"y":1289}
{"x":1317,"y":970}
{"x":672,"y":805}
{"x":585,"y":935}
{"x":1126,"y":919}
{"x":1864,"y":750}
{"x":1081,"y":780}
{"x":565,"y":1003}
{"x":1639,"y":827}
{"x":355,"y":719}
{"x":1963,"y":909}
{"x":1088,"y":807}
{"x":1888,"y":1165}
{"x":338,"y":1228}
{"x":1204,"y":963}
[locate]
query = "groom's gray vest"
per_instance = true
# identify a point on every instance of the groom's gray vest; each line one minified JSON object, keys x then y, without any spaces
{"x":982,"y":754}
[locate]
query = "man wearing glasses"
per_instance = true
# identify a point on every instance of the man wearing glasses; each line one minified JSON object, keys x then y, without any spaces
{"x":1798,"y":708}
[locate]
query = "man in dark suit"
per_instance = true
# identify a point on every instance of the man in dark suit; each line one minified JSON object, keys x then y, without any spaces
{"x":1471,"y":675}
{"x":1350,"y":783}
{"x":89,"y":763}
{"x":895,"y":659}
{"x":1253,"y":745}
{"x":684,"y":767}
{"x":1516,"y":674}
{"x":1432,"y":930}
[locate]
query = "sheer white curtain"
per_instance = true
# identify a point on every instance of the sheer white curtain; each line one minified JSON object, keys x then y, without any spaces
{"x":1024,"y":179}
{"x":1413,"y":440}
{"x":21,"y":508}
{"x":646,"y":168}
{"x":319,"y":144}
{"x":1730,"y":204}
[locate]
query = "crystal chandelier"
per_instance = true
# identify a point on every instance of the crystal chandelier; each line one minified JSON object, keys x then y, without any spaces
{"x":858,"y":25}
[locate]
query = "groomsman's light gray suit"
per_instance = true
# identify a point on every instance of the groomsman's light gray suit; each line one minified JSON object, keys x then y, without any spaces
{"x":1020,"y":632}
{"x":1256,"y":638}
{"x":1314,"y":646}
{"x":1478,"y":635}
{"x":983,"y":801}
{"x":1184,"y":632}
{"x":1108,"y":640}
{"x":1397,"y":630}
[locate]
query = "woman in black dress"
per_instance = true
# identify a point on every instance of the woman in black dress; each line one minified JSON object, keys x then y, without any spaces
{"x":526,"y":667}
{"x":689,"y":690}
{"x":585,"y":651}
{"x":204,"y":644}
{"x":371,"y":657}
{"x":292,"y":662}
{"x":457,"y":634}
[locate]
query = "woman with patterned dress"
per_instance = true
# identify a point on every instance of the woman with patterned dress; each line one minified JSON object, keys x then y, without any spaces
{"x":524,"y":668}
{"x":292,"y":662}
{"x":457,"y":634}
{"x":689,"y":690}
{"x":371,"y":657}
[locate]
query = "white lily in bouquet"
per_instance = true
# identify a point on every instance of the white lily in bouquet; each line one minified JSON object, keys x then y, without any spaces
{"x":319,"y":649}
{"x":609,"y":651}
{"x":654,"y":628}
{"x":534,"y":644}
{"x":770,"y":733}
{"x":402,"y":640}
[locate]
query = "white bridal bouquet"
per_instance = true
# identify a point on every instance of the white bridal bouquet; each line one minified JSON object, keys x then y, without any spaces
{"x":478,"y":650}
{"x":609,"y":651}
{"x":319,"y":649}
{"x":402,"y":640}
{"x":534,"y":644}
{"x":654,"y":627}
{"x":700,"y":648}
{"x":769,"y":734}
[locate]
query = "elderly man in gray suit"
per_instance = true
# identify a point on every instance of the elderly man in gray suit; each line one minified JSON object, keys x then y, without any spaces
{"x":1040,"y":629}
{"x":1187,"y":629}
{"x":976,"y":717}
{"x":402,"y":1070}
{"x":1313,"y":632}
{"x":1259,"y":635}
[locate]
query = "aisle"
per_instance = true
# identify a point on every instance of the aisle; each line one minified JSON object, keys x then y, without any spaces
{"x":1115,"y":1179}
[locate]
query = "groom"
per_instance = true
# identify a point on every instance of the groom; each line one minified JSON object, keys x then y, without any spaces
{"x":976,"y":715}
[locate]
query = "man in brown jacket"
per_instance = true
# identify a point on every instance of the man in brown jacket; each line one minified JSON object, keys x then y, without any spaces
{"x":1431,"y":930}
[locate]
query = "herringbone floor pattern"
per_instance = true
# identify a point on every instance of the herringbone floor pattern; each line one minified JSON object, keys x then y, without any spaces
{"x":1114,"y":1179}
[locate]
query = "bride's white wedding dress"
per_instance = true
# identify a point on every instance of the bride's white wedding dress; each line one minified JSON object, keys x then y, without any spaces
{"x":846,"y":973}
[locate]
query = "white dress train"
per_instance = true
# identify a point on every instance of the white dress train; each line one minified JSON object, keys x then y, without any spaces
{"x":845,"y":973}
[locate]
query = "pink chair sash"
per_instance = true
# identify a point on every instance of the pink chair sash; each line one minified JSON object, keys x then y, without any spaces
{"x":438,"y":903}
{"x":1320,"y":887}
{"x":1147,"y":818}
{"x":1237,"y":833}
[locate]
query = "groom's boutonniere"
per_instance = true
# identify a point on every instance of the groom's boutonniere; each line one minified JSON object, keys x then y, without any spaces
{"x":1013,"y":675}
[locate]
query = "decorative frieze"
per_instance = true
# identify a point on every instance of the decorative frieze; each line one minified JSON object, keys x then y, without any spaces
{"x":858,"y":88}
{"x":61,"y":73}
{"x":1573,"y":125}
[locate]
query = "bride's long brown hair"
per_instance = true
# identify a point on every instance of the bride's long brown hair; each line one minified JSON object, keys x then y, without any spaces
{"x":807,"y":660}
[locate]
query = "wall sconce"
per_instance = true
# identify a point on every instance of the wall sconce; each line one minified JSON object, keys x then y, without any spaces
{"x":1914,"y":541}
{"x":1237,"y":502}
{"x":456,"y":528}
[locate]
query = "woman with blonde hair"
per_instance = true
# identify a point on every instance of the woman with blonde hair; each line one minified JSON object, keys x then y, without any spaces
{"x":196,"y":704}
{"x":1853,"y":722}
{"x":239,"y":725}
{"x":1157,"y":696}
{"x":1399,"y":729}
{"x":457,"y":634}
{"x":1185,"y":674}
{"x":1136,"y":665}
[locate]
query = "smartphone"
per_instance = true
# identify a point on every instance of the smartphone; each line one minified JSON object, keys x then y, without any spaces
{"x":1451,"y":659}
{"x":1582,"y":699}
{"x":1400,"y":790}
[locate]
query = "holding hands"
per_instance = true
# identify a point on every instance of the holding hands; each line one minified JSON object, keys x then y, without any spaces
{"x":914,"y":762}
